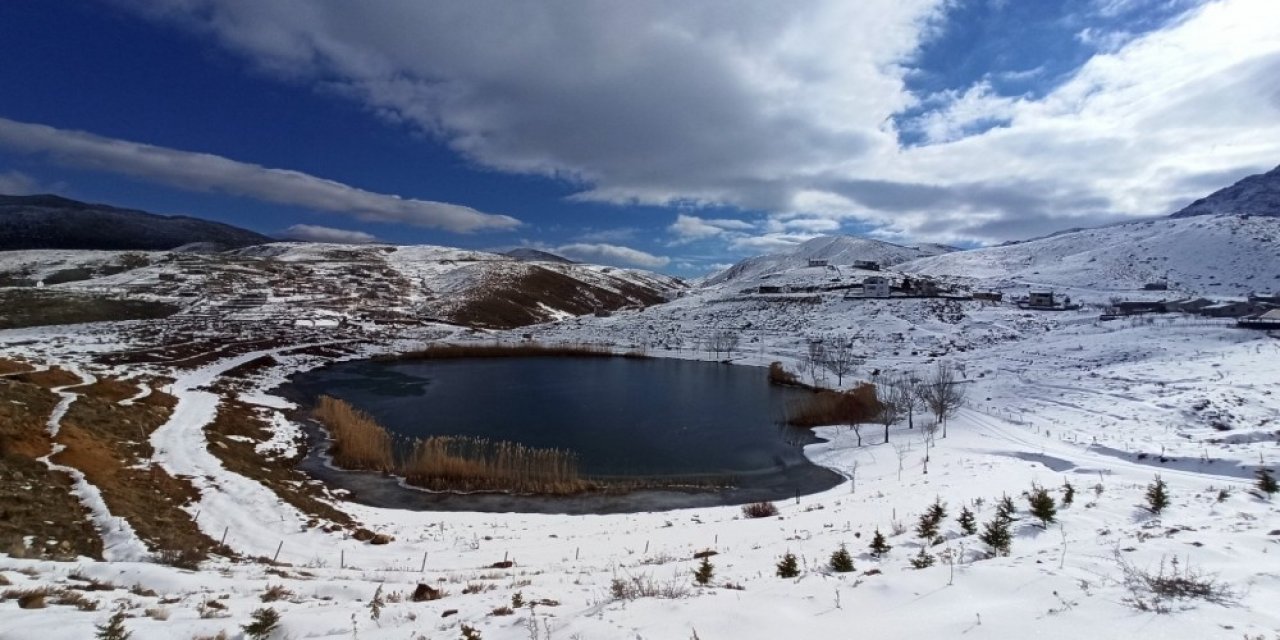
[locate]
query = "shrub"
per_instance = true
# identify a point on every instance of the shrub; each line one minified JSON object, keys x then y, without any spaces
{"x":858,"y":405}
{"x":927,"y":526}
{"x":275,"y":592}
{"x":879,"y":546}
{"x":841,"y":561}
{"x":968,"y":525}
{"x":996,"y":536}
{"x":114,"y":628}
{"x":469,"y":632}
{"x":1157,"y":496}
{"x":264,"y":622}
{"x":922,"y":559}
{"x":1151,"y":591}
{"x":644,"y":586}
{"x":788,"y":566}
{"x":1005,"y":509}
{"x":759,"y":510}
{"x":702,"y":575}
{"x":780,"y":376}
{"x":1068,"y":494}
{"x":1042,"y":506}
{"x":1266,"y":482}
{"x":376,"y":604}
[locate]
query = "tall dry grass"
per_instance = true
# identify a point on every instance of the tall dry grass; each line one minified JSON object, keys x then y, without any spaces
{"x":358,"y":441}
{"x":834,"y":407}
{"x":457,"y":463}
{"x":499,"y":350}
{"x":448,"y":463}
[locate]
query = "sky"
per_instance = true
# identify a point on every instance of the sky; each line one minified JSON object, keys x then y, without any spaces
{"x":665,"y":135}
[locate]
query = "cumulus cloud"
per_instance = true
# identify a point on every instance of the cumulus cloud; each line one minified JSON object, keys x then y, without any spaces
{"x":611,"y":254}
{"x":788,"y":107}
{"x":689,"y":228}
{"x":207,"y":172}
{"x":16,"y":183}
{"x":316,"y":233}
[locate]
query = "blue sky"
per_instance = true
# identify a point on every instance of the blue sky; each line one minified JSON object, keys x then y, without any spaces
{"x":660,"y":135}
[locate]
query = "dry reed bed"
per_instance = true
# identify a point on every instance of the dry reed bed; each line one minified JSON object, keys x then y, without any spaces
{"x":498,"y":350}
{"x":448,"y":463}
{"x":834,"y":407}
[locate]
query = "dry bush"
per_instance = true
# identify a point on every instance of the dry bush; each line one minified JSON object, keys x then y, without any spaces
{"x":759,"y":510}
{"x":823,"y":408}
{"x":503,"y":610}
{"x":1152,"y":591}
{"x":498,"y":350}
{"x":644,"y":585}
{"x":358,"y":441}
{"x":456,"y":463}
{"x":276,"y":592}
{"x":780,"y":376}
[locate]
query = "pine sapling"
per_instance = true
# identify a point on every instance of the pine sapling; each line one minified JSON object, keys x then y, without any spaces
{"x":841,"y":560}
{"x":1068,"y":494}
{"x":702,"y":575}
{"x":788,"y":567}
{"x":1266,"y":482}
{"x":114,"y":628}
{"x":1005,"y":509}
{"x":996,"y":536}
{"x":1042,"y":506}
{"x":879,"y":546}
{"x":1157,"y":496}
{"x":376,"y":604}
{"x":968,"y":524}
{"x":922,"y":559}
{"x":264,"y":622}
{"x":926,"y":528}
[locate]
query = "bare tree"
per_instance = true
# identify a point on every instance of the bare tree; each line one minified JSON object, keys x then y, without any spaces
{"x":889,"y":396}
{"x":856,"y":427}
{"x":943,"y":392}
{"x":840,"y":359}
{"x":812,"y":361}
{"x":901,"y":452}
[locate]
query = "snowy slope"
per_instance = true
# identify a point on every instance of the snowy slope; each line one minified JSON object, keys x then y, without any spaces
{"x":1202,"y":255}
{"x":836,"y":250}
{"x":1257,"y":195}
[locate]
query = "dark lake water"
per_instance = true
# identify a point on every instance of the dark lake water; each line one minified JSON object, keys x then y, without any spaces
{"x":622,"y":417}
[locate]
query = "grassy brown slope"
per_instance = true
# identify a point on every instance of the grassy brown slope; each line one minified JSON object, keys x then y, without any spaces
{"x":106,"y":442}
{"x":34,"y":308}
{"x":35,"y":501}
{"x":512,"y":300}
{"x":238,"y":420}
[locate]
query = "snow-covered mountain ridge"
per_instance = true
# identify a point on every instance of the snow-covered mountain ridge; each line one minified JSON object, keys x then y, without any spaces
{"x":833,"y":250}
{"x":1256,"y":195}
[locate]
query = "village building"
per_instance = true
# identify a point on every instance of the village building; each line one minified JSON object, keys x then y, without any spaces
{"x":876,"y":287}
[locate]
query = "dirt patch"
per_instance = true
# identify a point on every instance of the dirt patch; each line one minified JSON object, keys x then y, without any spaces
{"x":8,"y":366}
{"x":107,"y":442}
{"x":49,"y":378}
{"x":227,"y":436}
{"x":110,"y":389}
{"x":36,"y":503}
{"x":38,"y":307}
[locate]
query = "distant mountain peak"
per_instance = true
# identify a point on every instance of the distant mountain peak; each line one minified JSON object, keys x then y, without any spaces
{"x":1257,"y":195}
{"x":833,"y":250}
{"x":48,"y":221}
{"x":526,"y":254}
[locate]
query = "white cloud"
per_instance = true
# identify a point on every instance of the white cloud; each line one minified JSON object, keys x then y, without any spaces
{"x":316,"y":233}
{"x":787,"y":107}
{"x":611,"y":254}
{"x":689,"y":228}
{"x":207,"y":172}
{"x":16,"y":183}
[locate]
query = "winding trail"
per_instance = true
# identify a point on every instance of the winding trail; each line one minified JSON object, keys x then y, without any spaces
{"x":119,"y":541}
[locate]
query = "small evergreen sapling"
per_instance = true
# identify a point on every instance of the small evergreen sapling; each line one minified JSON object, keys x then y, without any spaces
{"x":1042,"y":506}
{"x":376,"y":604}
{"x":1068,"y":494}
{"x":787,"y":566}
{"x":1157,"y":496}
{"x":265,"y":622}
{"x":1266,"y":482}
{"x":114,"y":628}
{"x":922,"y":559}
{"x":1005,"y":509}
{"x":702,"y":575}
{"x":841,"y":561}
{"x":927,"y":527}
{"x":996,"y":536}
{"x":968,"y":525}
{"x":879,"y":546}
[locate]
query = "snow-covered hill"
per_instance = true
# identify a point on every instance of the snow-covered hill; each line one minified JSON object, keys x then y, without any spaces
{"x":1257,"y":195}
{"x":1220,"y":255}
{"x":835,"y":250}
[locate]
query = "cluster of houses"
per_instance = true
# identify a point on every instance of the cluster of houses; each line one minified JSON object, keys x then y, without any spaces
{"x":1254,"y":312}
{"x":873,"y":286}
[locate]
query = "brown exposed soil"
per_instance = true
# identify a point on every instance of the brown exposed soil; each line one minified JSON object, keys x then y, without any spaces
{"x":277,"y":472}
{"x":8,"y":366}
{"x":106,"y":441}
{"x":35,"y":501}
{"x":49,"y":378}
{"x":512,"y":300}
{"x":35,"y":307}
